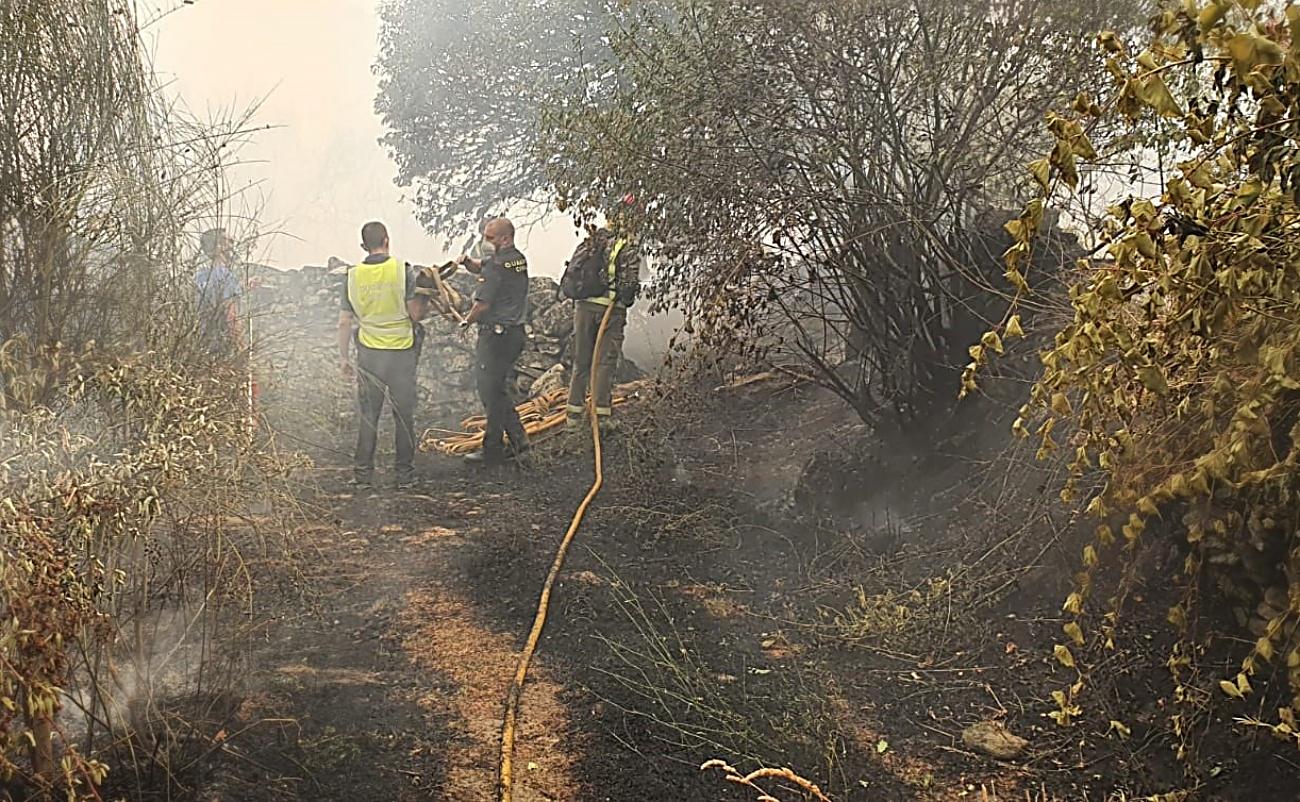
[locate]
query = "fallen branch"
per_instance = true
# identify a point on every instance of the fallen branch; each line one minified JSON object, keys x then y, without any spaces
{"x":750,"y":780}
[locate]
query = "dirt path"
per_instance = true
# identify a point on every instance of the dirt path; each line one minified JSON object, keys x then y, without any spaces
{"x":690,"y":623}
{"x":393,"y":688}
{"x":446,"y":637}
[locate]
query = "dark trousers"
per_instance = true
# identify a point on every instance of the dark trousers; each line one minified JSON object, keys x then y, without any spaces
{"x":496,"y":355}
{"x":383,"y":374}
{"x":586,"y":324}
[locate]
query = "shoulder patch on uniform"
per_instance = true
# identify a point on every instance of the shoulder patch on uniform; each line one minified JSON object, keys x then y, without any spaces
{"x":516,"y":265}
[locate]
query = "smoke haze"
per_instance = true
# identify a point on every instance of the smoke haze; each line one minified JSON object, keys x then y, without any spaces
{"x":319,"y":172}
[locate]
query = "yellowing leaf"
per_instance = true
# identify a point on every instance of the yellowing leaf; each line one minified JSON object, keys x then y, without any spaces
{"x":1143,"y":210}
{"x":1042,"y":172}
{"x":1013,"y":327}
{"x":1074,"y":632}
{"x":1178,"y":617}
{"x":1211,"y":15}
{"x":1063,"y":655}
{"x":1249,"y":51}
{"x":1144,"y":244}
{"x":1067,"y":164}
{"x":1264,"y":648}
{"x":1111,"y":42}
{"x":991,"y":341}
{"x":1073,"y":604}
{"x":1089,"y":556}
{"x":1083,"y":146}
{"x":1152,"y":91}
{"x":1243,"y":684}
{"x":1230,"y":689}
{"x":1153,"y":379}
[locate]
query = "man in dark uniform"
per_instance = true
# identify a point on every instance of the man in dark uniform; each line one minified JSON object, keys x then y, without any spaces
{"x":379,"y":294}
{"x":499,"y":311}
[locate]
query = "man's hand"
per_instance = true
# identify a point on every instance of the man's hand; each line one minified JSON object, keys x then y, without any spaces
{"x":345,"y":344}
{"x":469,"y":263}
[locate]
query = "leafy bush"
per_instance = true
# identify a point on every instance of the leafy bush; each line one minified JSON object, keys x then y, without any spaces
{"x":127,"y":460}
{"x":1175,"y":385}
{"x":116,"y":517}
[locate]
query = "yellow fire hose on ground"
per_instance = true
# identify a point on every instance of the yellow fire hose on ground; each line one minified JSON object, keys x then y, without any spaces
{"x":505,"y":781}
{"x":541,"y":416}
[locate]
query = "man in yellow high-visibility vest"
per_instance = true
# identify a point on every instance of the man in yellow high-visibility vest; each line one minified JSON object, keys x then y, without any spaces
{"x":622,"y":284}
{"x":379,"y":295}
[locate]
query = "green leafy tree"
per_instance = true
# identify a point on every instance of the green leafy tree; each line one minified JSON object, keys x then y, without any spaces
{"x":817,"y":176}
{"x":461,"y":90}
{"x":1174,"y":385}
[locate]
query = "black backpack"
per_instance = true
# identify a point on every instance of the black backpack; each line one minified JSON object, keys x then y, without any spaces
{"x":586,"y":274}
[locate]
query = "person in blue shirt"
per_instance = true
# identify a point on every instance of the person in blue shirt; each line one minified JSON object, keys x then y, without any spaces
{"x":217,"y":295}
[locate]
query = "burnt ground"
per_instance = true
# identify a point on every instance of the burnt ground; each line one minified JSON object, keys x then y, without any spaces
{"x":757,"y":582}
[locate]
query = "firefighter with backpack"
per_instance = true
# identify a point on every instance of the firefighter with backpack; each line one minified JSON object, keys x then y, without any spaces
{"x":605,"y":270}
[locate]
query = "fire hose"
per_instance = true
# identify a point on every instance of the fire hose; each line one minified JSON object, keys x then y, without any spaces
{"x":430,"y":282}
{"x":539,"y":415}
{"x":505,"y":781}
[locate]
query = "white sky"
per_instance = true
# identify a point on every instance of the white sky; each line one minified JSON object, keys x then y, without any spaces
{"x":320,"y":172}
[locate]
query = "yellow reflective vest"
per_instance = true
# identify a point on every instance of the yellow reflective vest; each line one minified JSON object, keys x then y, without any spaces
{"x":378,"y":296}
{"x":608,"y":298}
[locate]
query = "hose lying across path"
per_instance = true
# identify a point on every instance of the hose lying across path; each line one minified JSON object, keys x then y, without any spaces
{"x":505,"y":780}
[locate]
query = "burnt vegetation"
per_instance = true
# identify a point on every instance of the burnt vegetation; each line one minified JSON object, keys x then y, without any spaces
{"x":971,"y":471}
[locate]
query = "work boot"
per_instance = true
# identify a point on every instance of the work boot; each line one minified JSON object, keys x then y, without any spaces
{"x":362,"y":480}
{"x":405,"y":480}
{"x":608,"y":425}
{"x":574,"y":423}
{"x":485,"y":457}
